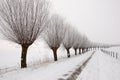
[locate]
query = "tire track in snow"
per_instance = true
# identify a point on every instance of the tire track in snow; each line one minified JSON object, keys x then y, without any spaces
{"x":77,"y":71}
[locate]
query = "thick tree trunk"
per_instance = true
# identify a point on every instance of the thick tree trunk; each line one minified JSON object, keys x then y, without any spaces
{"x":87,"y":49}
{"x":80,"y":51}
{"x":75,"y":51}
{"x":83,"y":50}
{"x":68,"y":53}
{"x":55,"y":53}
{"x":24,"y":55}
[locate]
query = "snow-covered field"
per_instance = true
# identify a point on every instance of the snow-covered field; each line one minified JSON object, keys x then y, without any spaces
{"x":101,"y":67}
{"x":42,"y":67}
{"x":115,"y":50}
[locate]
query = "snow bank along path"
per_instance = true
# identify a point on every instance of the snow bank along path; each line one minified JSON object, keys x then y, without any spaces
{"x":49,"y":71}
{"x":101,"y":67}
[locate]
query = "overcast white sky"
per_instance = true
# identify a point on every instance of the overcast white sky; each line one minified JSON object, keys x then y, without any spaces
{"x":98,"y":19}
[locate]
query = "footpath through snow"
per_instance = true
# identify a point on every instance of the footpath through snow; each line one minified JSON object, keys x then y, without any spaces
{"x":101,"y":67}
{"x":49,"y":71}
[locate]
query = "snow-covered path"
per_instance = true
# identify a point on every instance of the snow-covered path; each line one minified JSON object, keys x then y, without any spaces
{"x":101,"y":67}
{"x":49,"y":71}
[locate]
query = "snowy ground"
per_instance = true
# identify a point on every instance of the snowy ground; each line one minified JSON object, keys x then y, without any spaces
{"x":101,"y":67}
{"x":48,"y":71}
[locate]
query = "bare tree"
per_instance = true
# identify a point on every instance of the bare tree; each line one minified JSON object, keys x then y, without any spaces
{"x":81,"y":43}
{"x":68,"y":40}
{"x":22,"y":21}
{"x":77,"y":41}
{"x":85,"y":44}
{"x":55,"y":33}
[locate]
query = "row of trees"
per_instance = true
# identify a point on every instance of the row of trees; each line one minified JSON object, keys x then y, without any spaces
{"x":60,"y":32}
{"x":23,"y":21}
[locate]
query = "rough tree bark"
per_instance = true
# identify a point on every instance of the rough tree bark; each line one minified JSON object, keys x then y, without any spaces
{"x":24,"y":55}
{"x":80,"y":51}
{"x":68,"y":52}
{"x":55,"y":53}
{"x":75,"y":51}
{"x":83,"y":50}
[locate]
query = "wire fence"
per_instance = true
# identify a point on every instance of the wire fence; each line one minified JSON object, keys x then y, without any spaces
{"x":110,"y":53}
